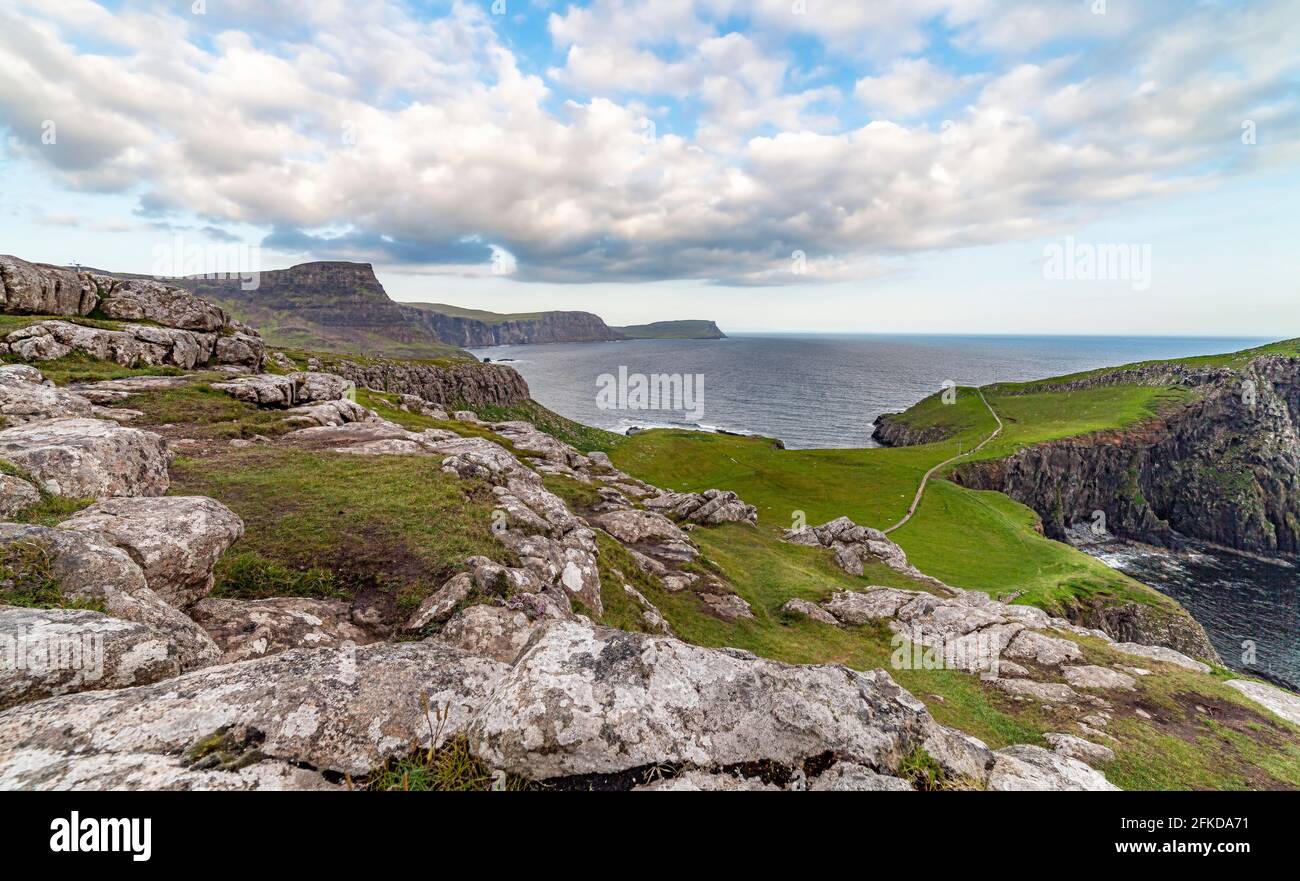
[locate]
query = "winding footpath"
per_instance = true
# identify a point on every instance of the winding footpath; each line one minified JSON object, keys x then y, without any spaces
{"x":920,"y":490}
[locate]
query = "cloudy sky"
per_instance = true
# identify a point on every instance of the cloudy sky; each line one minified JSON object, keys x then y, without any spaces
{"x":835,"y":165}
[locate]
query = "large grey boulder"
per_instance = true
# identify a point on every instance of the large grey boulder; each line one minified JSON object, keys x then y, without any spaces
{"x":345,"y":710}
{"x":79,"y":458}
{"x":48,"y":652}
{"x":245,"y":629}
{"x":176,"y":540}
{"x":1026,"y":768}
{"x":139,"y":299}
{"x":569,"y":563}
{"x":1078,"y":748}
{"x":1095,"y":677}
{"x":86,"y":567}
{"x":854,"y":608}
{"x":584,"y":699}
{"x":27,"y":288}
{"x":25,"y":398}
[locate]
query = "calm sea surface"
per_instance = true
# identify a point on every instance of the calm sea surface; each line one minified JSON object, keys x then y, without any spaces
{"x":825,"y":391}
{"x":818,"y":390}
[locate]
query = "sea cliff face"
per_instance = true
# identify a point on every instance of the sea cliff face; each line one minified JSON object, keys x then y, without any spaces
{"x":454,"y":384}
{"x":547,"y":327}
{"x":1224,"y":468}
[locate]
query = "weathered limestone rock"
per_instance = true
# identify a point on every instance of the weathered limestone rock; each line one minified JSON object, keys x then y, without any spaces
{"x":147,"y":300}
{"x":287,"y":390}
{"x":15,"y":495}
{"x":345,"y":709}
{"x":240,"y":350}
{"x":960,"y":755}
{"x":87,"y":567}
{"x":47,"y":652}
{"x":1024,"y":768}
{"x":856,"y":608}
{"x":711,"y":507}
{"x":809,"y":610}
{"x":1078,"y":748}
{"x":1284,"y":703}
{"x":727,"y":606}
{"x":584,"y":699}
{"x":25,"y":398}
{"x":1029,"y":645}
{"x":652,"y":533}
{"x":850,"y":777}
{"x":478,"y":457}
{"x":134,"y":345}
{"x":651,"y":617}
{"x":245,"y":629}
{"x":1045,"y":692}
{"x":79,"y":458}
{"x":1160,"y":653}
{"x":569,"y":562}
{"x":176,"y":540}
{"x":27,"y":288}
{"x":328,"y":413}
{"x":1092,"y":676}
{"x":439,"y":605}
{"x":491,"y":631}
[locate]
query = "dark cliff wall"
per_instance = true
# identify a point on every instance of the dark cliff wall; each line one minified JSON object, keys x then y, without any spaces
{"x":1222,"y":468}
{"x":453,"y":385}
{"x":547,"y":327}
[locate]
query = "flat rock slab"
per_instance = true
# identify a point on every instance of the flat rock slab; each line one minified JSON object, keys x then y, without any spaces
{"x":1092,"y":676}
{"x":245,"y":629}
{"x":346,"y":710}
{"x":1160,"y":653}
{"x":584,"y":699}
{"x":848,"y":777}
{"x":48,"y":652}
{"x":1078,"y":748}
{"x":79,"y":458}
{"x":1284,"y":703}
{"x":1026,"y":768}
{"x":1044,"y":692}
{"x":1050,"y":651}
{"x":176,"y":540}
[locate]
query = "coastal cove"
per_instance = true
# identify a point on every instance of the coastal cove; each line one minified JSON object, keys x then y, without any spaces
{"x":820,"y":391}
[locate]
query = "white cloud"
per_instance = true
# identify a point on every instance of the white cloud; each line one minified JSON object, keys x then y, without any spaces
{"x":427,"y":143}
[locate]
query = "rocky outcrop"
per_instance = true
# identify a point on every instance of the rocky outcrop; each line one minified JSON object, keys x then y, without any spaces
{"x":183,"y":330}
{"x":1285,"y":704}
{"x":893,"y":430}
{"x":449,"y":385}
{"x":15,"y":495}
{"x":87,"y":569}
{"x":287,"y":390}
{"x":344,"y":710}
{"x":48,"y":652}
{"x":176,"y":540}
{"x":245,"y":629}
{"x":24,"y":397}
{"x":1026,"y":768}
{"x":591,"y":700}
{"x":711,"y":507}
{"x":33,"y":289}
{"x":80,"y":458}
